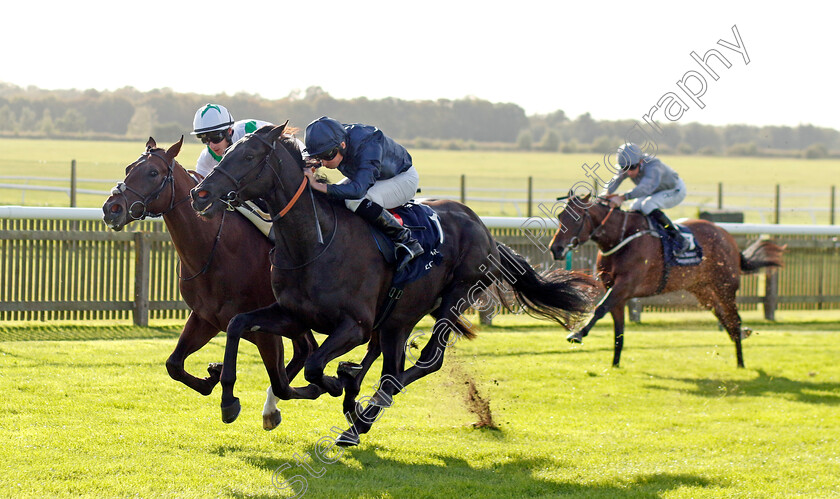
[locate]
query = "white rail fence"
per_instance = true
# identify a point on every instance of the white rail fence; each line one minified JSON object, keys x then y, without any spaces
{"x":493,"y":195}
{"x":62,"y":263}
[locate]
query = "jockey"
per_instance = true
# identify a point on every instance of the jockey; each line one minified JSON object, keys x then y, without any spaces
{"x":378,"y":176}
{"x":213,"y":125}
{"x":658,"y":187}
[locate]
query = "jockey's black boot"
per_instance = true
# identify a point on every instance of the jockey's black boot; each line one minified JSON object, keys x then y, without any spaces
{"x":382,"y":219}
{"x":676,"y":235}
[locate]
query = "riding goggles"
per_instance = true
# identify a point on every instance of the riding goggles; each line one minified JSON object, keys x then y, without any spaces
{"x":327,"y":156}
{"x":214,"y":137}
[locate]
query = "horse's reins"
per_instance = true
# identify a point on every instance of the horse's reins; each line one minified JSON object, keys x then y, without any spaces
{"x":237,"y":182}
{"x":575,"y":241}
{"x":212,"y":252}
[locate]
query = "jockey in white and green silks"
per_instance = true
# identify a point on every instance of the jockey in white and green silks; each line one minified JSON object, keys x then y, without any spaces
{"x":214,"y":126}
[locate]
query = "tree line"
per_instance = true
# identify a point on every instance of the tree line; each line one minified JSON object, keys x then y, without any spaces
{"x":468,"y":123}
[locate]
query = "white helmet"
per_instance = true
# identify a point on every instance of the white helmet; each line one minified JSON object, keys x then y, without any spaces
{"x":211,"y":117}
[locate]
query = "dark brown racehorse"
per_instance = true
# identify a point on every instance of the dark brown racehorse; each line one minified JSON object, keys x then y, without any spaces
{"x":224,"y":270}
{"x":630,"y":264}
{"x":328,"y":275}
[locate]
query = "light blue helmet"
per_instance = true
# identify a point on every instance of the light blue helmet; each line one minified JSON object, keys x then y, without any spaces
{"x":629,"y":154}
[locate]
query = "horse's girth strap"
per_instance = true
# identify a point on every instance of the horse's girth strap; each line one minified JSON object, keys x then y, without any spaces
{"x":294,"y":198}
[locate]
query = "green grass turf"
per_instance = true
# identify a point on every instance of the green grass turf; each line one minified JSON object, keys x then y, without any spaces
{"x":100,"y":417}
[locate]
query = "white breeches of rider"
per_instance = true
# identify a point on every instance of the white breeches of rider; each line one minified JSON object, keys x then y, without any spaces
{"x":390,"y":193}
{"x":661,"y":200}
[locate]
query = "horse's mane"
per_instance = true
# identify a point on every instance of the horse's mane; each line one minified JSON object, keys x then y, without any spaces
{"x":291,"y":144}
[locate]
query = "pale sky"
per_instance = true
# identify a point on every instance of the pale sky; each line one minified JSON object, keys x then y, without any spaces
{"x":615,"y":60}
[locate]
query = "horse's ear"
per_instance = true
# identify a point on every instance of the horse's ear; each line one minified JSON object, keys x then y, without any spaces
{"x":151,"y":144}
{"x":277,"y":131}
{"x":174,"y":149}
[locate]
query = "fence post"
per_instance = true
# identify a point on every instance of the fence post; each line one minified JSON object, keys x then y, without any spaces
{"x":771,"y":294}
{"x":833,"y":202}
{"x":778,"y":203}
{"x":73,"y":183}
{"x":463,"y":189}
{"x":720,"y":195}
{"x":142,"y":253}
{"x":530,"y":195}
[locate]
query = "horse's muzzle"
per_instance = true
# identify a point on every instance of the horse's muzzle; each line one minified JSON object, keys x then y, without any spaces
{"x":114,"y":215}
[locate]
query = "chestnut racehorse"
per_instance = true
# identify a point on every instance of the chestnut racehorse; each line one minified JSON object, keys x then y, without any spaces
{"x":224,"y":271}
{"x":630,"y":264}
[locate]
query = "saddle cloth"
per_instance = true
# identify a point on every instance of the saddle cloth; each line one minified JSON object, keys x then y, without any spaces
{"x":425,"y":227}
{"x":692,"y":256}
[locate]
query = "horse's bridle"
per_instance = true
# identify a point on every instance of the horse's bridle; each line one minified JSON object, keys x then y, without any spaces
{"x":575,"y":241}
{"x":145,"y":200}
{"x":231,"y":199}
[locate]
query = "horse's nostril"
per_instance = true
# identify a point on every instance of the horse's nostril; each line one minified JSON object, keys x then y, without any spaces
{"x":203,"y":194}
{"x":115,"y":208}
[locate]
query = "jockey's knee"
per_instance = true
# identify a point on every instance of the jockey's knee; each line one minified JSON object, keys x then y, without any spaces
{"x":353,"y":204}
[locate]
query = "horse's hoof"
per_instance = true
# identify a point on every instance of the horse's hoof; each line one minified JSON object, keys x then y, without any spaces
{"x":271,"y":421}
{"x":348,"y":369}
{"x":348,"y":439}
{"x":215,"y":370}
{"x":574,"y":338}
{"x":332,"y":386}
{"x":231,"y":412}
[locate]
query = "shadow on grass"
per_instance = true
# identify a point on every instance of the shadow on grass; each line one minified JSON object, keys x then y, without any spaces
{"x":809,"y":392}
{"x":366,"y":473}
{"x":72,"y":332}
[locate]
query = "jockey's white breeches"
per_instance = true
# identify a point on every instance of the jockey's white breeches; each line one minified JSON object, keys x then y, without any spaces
{"x":660,"y":200}
{"x":390,"y":193}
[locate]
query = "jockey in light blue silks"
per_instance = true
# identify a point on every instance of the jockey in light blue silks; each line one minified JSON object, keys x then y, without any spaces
{"x":658,"y":187}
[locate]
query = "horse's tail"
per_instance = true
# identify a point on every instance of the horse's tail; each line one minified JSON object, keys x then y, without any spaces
{"x":560,"y":295}
{"x":762,"y":253}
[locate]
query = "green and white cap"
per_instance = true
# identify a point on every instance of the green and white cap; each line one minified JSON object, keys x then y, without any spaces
{"x":211,"y":117}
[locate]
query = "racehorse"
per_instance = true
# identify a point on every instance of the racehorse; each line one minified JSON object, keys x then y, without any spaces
{"x":218,"y":279}
{"x":631,"y":264}
{"x":339,"y":280}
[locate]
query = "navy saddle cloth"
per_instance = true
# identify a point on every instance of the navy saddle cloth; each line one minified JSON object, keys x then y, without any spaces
{"x":425,"y":227}
{"x":692,"y":256}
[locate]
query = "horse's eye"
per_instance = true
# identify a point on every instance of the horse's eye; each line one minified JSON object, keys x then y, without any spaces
{"x":249,"y":157}
{"x":153,"y":173}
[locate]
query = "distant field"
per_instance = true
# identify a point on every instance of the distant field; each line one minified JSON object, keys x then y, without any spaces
{"x":749,"y":183}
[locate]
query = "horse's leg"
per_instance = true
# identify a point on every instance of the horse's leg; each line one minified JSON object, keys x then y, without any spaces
{"x":197,"y":333}
{"x":721,"y":300}
{"x":617,"y":313}
{"x":272,"y":320}
{"x":453,"y":304}
{"x":347,"y":336}
{"x":270,"y":345}
{"x":726,"y":311}
{"x":352,"y":377}
{"x":618,"y":293}
{"x":392,"y":344}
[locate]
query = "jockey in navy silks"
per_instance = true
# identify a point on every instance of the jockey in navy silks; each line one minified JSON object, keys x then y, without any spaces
{"x":378,"y":175}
